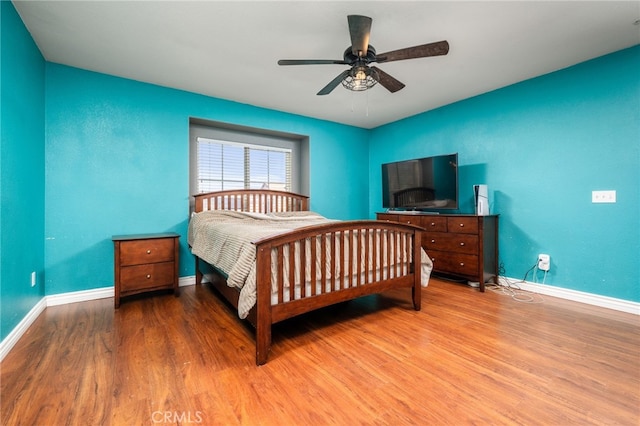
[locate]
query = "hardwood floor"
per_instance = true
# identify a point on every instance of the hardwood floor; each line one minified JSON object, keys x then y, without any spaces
{"x":466,"y":358}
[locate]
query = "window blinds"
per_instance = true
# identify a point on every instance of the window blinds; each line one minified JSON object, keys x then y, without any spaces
{"x":232,"y":165}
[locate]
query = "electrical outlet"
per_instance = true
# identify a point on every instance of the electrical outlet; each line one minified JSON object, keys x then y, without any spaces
{"x":603,"y":196}
{"x":33,"y":279}
{"x":544,"y":262}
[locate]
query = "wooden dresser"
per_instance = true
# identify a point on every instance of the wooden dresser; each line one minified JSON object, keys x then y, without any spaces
{"x":145,"y":262}
{"x":464,"y":246}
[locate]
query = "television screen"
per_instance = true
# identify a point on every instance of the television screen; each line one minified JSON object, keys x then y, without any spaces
{"x":429,"y":183}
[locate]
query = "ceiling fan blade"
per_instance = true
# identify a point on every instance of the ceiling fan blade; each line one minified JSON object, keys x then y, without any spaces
{"x":431,"y":49}
{"x":311,"y":62}
{"x":359,"y":30}
{"x":388,"y":82}
{"x":334,"y":83}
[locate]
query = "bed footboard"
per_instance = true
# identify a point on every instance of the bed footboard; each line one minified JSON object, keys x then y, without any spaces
{"x":332,"y":263}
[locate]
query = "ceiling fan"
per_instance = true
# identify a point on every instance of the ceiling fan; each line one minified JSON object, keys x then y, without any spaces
{"x":362,"y":76}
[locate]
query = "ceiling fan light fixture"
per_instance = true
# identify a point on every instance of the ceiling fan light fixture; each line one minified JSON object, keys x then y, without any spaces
{"x":360,"y":78}
{"x":360,"y":54}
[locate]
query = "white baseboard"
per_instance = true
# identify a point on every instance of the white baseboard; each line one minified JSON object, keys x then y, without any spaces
{"x":576,"y":296}
{"x":79,"y":296}
{"x":185,"y":281}
{"x":12,"y":338}
{"x":62,"y":299}
{"x":99,"y":293}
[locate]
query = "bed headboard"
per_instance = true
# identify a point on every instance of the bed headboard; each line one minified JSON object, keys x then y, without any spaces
{"x":251,"y":200}
{"x":413,"y":196}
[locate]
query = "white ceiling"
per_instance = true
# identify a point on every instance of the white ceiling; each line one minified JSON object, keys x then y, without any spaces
{"x":229,"y":49}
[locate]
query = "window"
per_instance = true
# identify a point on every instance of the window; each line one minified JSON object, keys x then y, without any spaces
{"x":231,"y":165}
{"x":224,"y":156}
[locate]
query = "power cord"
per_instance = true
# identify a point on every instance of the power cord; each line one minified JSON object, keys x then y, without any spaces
{"x":535,"y":275}
{"x":511,"y":288}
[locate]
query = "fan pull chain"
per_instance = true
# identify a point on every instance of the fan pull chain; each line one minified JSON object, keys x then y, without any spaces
{"x":367,"y":108}
{"x":353,"y":103}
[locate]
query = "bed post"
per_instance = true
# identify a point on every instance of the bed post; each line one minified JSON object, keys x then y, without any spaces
{"x":416,"y":291}
{"x":263,"y":304}
{"x":198,"y":273}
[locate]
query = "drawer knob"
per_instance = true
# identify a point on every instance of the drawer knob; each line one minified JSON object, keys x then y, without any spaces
{"x":462,"y":225}
{"x":149,"y":251}
{"x":461,"y":263}
{"x":433,"y":241}
{"x":433,"y":224}
{"x":462,"y":244}
{"x":148,"y":276}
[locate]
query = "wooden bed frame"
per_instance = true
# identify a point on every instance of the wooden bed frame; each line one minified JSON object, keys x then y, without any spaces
{"x":264,"y":313}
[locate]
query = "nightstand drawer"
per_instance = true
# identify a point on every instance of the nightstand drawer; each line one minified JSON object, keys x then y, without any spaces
{"x":142,"y":277}
{"x":140,"y":252}
{"x":145,"y":262}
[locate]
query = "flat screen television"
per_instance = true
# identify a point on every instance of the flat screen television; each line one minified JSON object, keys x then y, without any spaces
{"x":429,"y":183}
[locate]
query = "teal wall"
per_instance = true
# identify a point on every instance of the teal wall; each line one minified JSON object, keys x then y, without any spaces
{"x":117,"y":159}
{"x":21,"y":170}
{"x":114,"y":153}
{"x":542,"y":146}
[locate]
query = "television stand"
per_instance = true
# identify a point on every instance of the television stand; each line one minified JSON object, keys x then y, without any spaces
{"x":460,"y":245}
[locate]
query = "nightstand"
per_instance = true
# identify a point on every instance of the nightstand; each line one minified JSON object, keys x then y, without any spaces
{"x":145,"y":262}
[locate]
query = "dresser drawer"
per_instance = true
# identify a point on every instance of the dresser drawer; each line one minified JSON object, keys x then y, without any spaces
{"x":388,"y":216}
{"x":443,"y":241}
{"x":142,"y":277}
{"x":137,"y":252}
{"x":434,"y":223}
{"x":458,"y":263}
{"x":463,"y":225}
{"x":410,"y":219}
